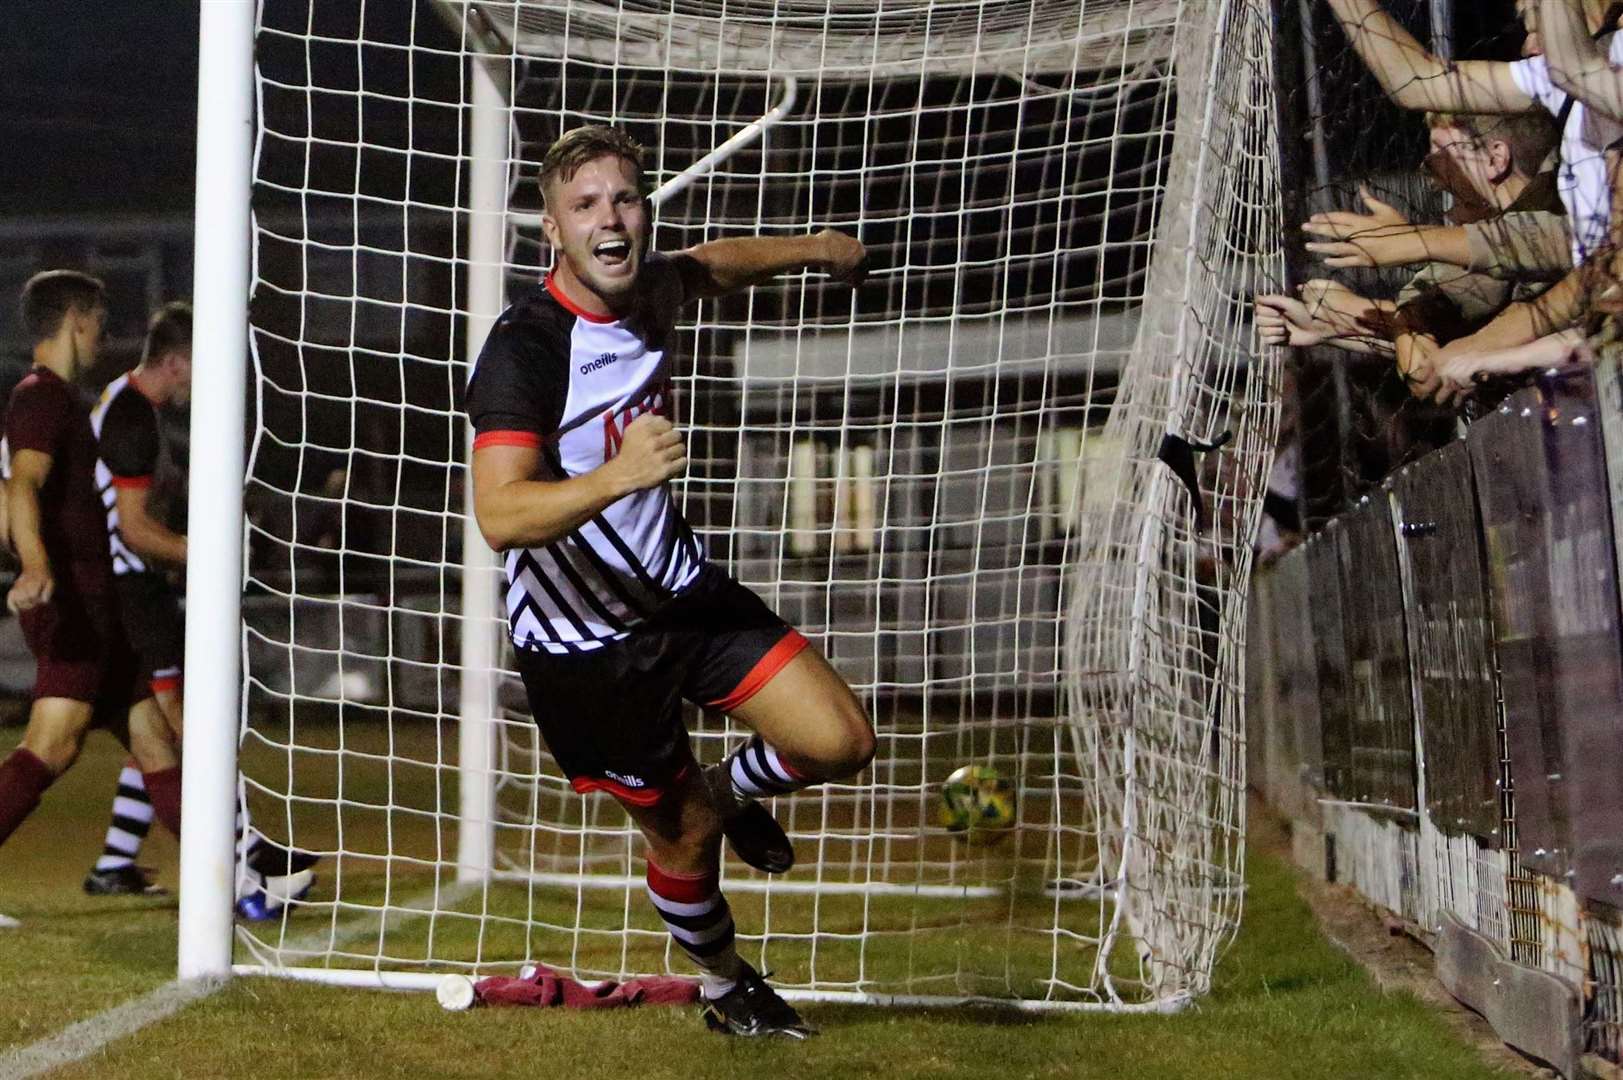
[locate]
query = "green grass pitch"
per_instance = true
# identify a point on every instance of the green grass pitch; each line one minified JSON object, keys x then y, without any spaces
{"x":1287,"y":1004}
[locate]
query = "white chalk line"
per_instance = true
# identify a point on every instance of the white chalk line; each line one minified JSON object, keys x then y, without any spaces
{"x":80,"y":1040}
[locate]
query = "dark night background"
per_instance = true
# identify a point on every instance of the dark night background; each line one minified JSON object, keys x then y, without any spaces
{"x":98,"y":106}
{"x":98,"y":101}
{"x":97,"y":115}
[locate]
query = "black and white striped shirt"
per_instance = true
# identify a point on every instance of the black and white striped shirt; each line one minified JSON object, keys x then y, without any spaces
{"x":127,"y":446}
{"x":567,"y":382}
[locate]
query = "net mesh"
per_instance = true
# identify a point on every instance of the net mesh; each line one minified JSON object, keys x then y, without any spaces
{"x":948,"y":478}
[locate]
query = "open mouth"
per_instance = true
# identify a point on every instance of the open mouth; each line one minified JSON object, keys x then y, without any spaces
{"x":612,"y":252}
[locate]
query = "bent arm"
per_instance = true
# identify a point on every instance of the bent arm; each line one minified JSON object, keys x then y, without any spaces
{"x":1550,"y":350}
{"x":1459,"y":372}
{"x":1577,"y":64}
{"x":1521,"y":245}
{"x":1556,"y":310}
{"x":1414,"y":78}
{"x":149,"y":537}
{"x":517,"y":510}
{"x":723,"y":266}
{"x":1399,"y":247}
{"x":29,"y":470}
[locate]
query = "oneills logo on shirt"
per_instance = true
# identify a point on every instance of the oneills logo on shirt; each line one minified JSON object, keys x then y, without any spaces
{"x":603,"y":360}
{"x":625,"y":780}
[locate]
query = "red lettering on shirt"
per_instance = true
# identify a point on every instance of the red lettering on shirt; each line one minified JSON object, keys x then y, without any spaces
{"x":615,"y":423}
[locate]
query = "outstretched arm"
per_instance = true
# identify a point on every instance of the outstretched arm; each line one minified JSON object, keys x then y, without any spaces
{"x":29,"y":470}
{"x":1577,"y":64}
{"x":1415,"y":79}
{"x":1460,"y":376}
{"x":720,"y":267}
{"x":1284,"y":320}
{"x":1520,"y":324}
{"x":1382,"y":237}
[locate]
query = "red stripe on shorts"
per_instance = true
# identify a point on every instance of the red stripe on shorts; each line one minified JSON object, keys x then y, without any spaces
{"x":787,"y":648}
{"x":643,"y":796}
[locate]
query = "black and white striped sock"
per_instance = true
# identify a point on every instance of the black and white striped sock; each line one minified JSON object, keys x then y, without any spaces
{"x":698,"y":918}
{"x":757,"y":772}
{"x":132,"y":820}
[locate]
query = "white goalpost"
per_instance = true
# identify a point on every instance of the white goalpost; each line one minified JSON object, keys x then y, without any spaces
{"x":967,"y":481}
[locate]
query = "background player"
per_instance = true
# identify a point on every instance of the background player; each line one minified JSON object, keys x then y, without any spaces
{"x":615,"y":613}
{"x":64,"y":596}
{"x":145,"y":551}
{"x":128,"y":444}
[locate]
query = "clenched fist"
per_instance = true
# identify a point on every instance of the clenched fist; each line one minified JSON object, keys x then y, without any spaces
{"x":651,"y":453}
{"x":845,"y":258}
{"x":32,"y":588}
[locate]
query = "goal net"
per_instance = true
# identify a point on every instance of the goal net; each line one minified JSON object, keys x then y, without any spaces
{"x":976,"y":482}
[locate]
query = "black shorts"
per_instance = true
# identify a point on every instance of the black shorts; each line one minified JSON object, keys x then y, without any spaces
{"x":154,"y":625}
{"x":612,"y":717}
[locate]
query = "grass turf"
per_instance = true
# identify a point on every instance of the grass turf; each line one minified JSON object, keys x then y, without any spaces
{"x":1286,"y":1004}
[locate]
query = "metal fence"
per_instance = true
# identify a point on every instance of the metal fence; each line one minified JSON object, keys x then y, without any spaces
{"x":1437,"y":697}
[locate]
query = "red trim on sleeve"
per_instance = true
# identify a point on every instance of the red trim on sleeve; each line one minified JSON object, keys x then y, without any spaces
{"x":572,"y":307}
{"x":788,"y":647}
{"x":132,"y":481}
{"x":506,"y":438}
{"x":682,"y":888}
{"x":164,"y":683}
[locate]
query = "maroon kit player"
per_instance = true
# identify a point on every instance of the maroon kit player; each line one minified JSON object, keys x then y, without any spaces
{"x":87,"y":674}
{"x":616,"y":615}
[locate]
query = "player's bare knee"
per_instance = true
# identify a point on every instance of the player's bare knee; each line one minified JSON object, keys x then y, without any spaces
{"x":857,"y":743}
{"x":54,"y":740}
{"x":847,"y":747}
{"x":855,"y":755}
{"x":863,"y":746}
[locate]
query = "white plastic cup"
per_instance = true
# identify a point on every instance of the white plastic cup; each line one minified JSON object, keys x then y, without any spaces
{"x":455,"y":993}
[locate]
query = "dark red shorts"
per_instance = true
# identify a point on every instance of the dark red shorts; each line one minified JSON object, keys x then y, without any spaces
{"x":79,"y":647}
{"x":612,"y":717}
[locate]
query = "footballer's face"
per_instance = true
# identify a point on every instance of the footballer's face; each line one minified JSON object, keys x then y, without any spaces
{"x":87,"y":333}
{"x":597,"y":221}
{"x":178,"y":364}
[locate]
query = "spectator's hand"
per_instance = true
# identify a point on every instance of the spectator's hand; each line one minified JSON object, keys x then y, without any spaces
{"x":1417,"y":363}
{"x":651,"y":453}
{"x":1332,"y":302}
{"x":31,"y":589}
{"x":1351,"y":238}
{"x":1457,"y":365}
{"x":846,"y":259}
{"x":1285,"y":320}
